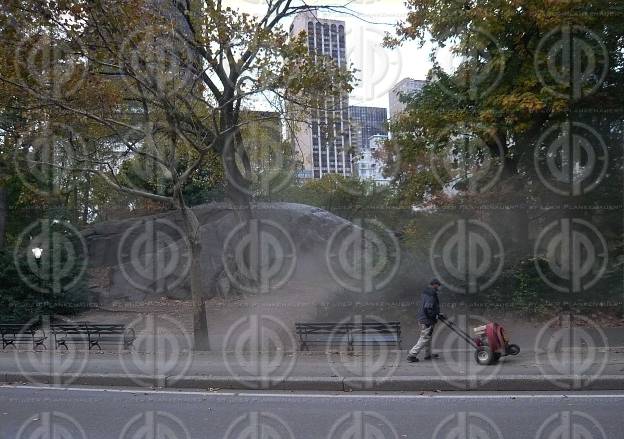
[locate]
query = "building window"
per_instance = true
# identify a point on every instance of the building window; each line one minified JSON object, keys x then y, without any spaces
{"x":319,"y":38}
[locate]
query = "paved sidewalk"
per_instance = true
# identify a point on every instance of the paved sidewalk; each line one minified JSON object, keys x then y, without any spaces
{"x":571,"y":368}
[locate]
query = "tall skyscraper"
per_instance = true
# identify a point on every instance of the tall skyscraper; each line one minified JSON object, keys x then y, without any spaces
{"x":367,"y":122}
{"x":404,"y":87}
{"x":324,"y":139}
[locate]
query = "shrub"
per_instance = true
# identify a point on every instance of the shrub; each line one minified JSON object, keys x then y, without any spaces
{"x":21,"y":303}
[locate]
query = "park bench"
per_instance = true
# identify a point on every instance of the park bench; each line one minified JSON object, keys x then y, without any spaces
{"x":92,"y":334}
{"x":349,"y":333}
{"x":321,"y":333}
{"x":376,"y":333}
{"x":16,"y":333}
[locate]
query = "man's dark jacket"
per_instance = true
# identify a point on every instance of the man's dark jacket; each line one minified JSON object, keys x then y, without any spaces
{"x":429,"y":307}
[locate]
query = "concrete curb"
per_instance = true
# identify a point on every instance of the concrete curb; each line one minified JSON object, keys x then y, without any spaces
{"x":85,"y":379}
{"x":508,"y":383}
{"x":259,"y":383}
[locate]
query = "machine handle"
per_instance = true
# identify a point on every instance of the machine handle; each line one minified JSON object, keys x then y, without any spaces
{"x":463,"y":334}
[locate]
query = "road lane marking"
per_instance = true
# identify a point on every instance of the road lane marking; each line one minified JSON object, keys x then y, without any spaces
{"x":319,"y":395}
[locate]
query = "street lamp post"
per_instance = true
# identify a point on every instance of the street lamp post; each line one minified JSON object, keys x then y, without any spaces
{"x":37,"y":253}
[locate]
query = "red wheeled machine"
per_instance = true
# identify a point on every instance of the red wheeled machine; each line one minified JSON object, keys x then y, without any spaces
{"x":489,"y":341}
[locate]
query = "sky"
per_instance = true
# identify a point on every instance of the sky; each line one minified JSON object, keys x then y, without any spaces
{"x":379,"y":68}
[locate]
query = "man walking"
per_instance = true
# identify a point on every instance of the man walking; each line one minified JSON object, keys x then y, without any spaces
{"x":428,"y":315}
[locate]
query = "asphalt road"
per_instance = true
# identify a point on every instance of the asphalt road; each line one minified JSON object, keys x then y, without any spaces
{"x":43,"y":413}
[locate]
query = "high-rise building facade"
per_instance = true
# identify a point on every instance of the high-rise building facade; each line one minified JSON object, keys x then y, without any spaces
{"x":367,"y":122}
{"x":404,"y":87}
{"x":369,"y":165}
{"x":324,"y":139}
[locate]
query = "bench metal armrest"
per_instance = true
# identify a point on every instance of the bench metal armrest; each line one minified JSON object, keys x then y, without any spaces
{"x":128,"y":337}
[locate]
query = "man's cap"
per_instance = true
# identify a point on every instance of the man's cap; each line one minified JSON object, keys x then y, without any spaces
{"x":435,"y":280}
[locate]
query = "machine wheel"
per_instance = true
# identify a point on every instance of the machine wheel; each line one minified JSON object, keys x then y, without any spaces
{"x":513,"y":349}
{"x":484,"y":355}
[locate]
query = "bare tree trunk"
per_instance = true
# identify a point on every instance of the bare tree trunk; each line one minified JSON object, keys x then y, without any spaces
{"x":76,"y":206}
{"x":200,"y":324}
{"x":200,"y":319}
{"x":199,"y":291}
{"x":86,"y":199}
{"x":4,"y":214}
{"x":238,"y":186}
{"x":520,"y":233}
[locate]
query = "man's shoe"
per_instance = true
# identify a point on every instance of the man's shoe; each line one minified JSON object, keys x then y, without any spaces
{"x":432,"y":357}
{"x":411,"y":359}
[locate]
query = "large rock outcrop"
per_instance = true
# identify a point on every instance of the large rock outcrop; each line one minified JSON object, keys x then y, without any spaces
{"x":271,"y":247}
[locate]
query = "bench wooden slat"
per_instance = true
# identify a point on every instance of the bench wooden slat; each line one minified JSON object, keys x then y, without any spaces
{"x":360,"y":333}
